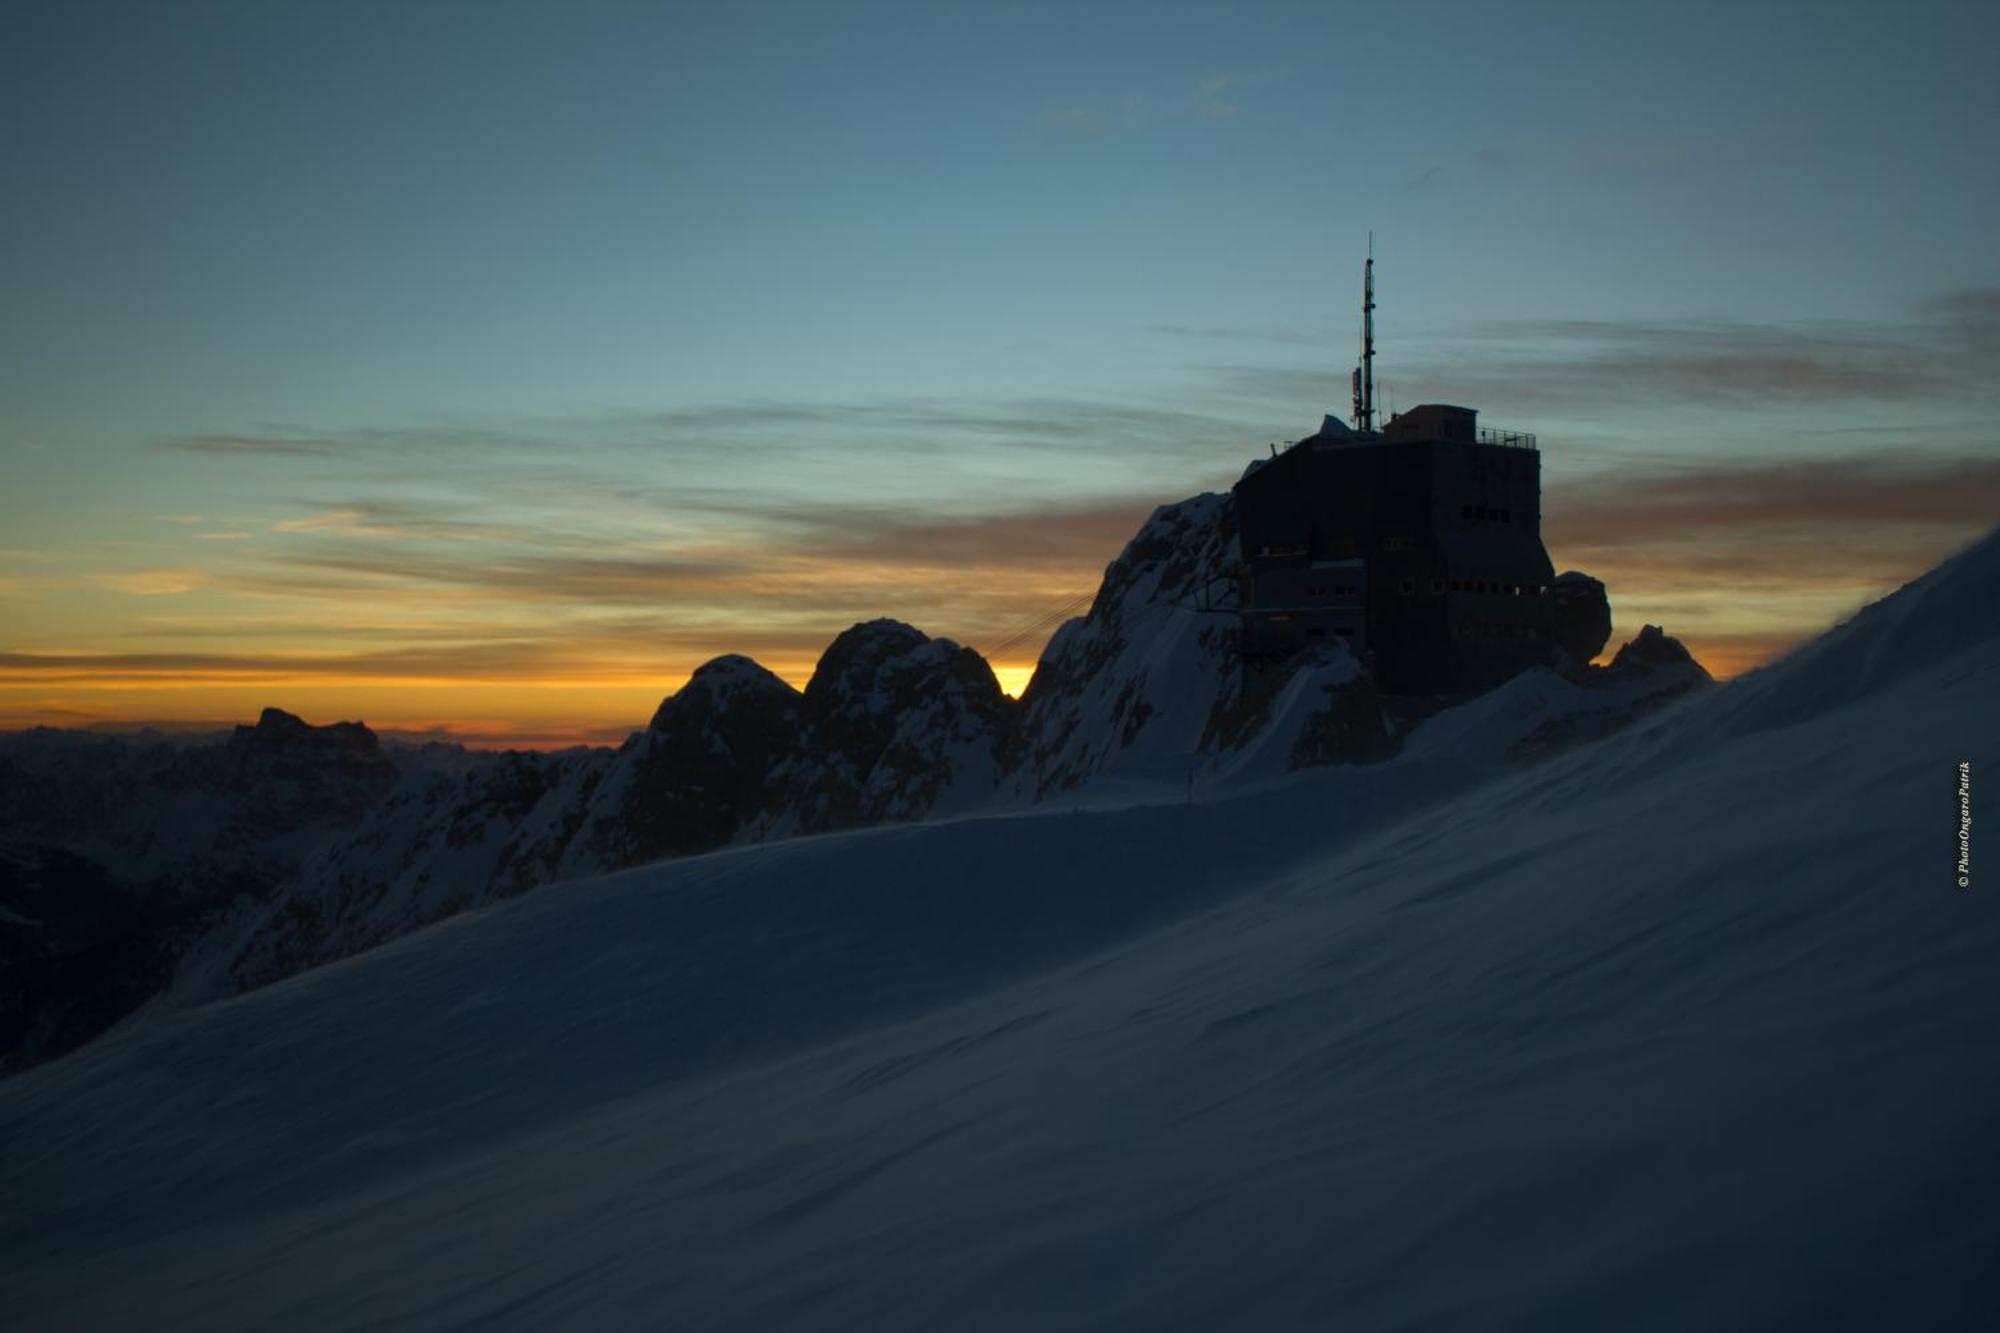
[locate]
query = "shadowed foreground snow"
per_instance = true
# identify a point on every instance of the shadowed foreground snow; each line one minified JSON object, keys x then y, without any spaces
{"x":1687,"y":1028}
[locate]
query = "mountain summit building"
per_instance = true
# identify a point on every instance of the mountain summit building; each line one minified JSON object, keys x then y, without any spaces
{"x":1419,"y":544}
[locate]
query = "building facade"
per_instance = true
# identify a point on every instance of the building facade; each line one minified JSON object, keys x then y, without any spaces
{"x":1419,"y":545}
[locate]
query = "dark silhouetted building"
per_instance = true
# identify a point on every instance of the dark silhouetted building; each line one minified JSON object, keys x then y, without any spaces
{"x":1420,"y":545}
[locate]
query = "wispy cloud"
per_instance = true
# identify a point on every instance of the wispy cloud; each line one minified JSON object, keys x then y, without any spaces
{"x":1211,"y":98}
{"x":1608,"y":161}
{"x":1947,"y":351}
{"x":1214,"y":97}
{"x":1830,"y":495}
{"x":249,"y":444}
{"x":1243,"y":333}
{"x":151,"y":582}
{"x":1084,"y":122}
{"x":1745,"y":560}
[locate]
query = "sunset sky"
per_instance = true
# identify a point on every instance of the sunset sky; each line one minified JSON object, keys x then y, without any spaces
{"x":487,"y":368}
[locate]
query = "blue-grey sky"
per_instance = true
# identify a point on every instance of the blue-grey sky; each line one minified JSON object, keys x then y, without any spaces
{"x":546,"y":350}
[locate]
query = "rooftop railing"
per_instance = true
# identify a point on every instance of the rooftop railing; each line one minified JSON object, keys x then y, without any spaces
{"x":1511,"y":439}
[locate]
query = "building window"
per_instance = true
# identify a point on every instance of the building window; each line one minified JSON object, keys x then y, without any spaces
{"x":1437,"y":586}
{"x":1409,"y":586}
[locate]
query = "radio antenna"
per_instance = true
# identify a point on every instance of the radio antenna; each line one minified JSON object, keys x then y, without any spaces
{"x":1364,"y":374}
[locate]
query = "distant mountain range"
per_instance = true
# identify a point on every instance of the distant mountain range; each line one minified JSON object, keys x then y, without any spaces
{"x":150,"y":872}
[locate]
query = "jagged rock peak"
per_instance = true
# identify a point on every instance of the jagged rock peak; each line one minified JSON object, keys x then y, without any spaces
{"x":284,"y":748}
{"x":859,"y":654}
{"x":897,"y":725}
{"x":1583,"y":615}
{"x":1185,"y":543}
{"x":277,"y":730}
{"x":1654,"y":650}
{"x":276,"y":721}
{"x":725,"y":682}
{"x":878,"y":664}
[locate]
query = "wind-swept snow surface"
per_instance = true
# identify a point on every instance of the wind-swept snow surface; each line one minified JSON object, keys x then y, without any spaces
{"x":1687,"y":1028}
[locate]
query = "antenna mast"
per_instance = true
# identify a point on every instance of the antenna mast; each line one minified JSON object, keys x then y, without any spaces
{"x":1364,"y":374}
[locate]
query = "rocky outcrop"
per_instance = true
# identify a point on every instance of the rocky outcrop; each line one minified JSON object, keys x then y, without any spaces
{"x":118,"y":853}
{"x":1149,"y":682}
{"x":698,"y":771}
{"x":1582,"y":615}
{"x":1109,"y":685}
{"x":1647,"y":673}
{"x":897,"y":725}
{"x":1654,"y":652}
{"x":284,"y":771}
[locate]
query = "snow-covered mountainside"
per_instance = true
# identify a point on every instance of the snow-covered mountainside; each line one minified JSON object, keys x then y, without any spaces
{"x":894,"y":725}
{"x":1143,"y":697}
{"x":117,"y":853}
{"x":1686,"y":1026}
{"x":1149,"y":683}
{"x":1148,"y":687}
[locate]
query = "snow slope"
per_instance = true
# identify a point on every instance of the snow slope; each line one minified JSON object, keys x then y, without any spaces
{"x":1685,"y":1028}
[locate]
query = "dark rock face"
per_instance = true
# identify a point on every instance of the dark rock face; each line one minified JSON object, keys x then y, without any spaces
{"x":895,"y":722}
{"x":284,"y":770}
{"x":1343,"y":720}
{"x":1583,"y":615}
{"x":1655,"y":651}
{"x":79,"y":949}
{"x":690,"y":780}
{"x":1348,"y":727}
{"x":116,"y":853}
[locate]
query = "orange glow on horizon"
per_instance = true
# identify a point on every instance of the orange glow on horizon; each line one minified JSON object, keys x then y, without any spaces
{"x":544,"y":674}
{"x":1014,"y":677}
{"x":535,"y":712}
{"x":531,"y":713}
